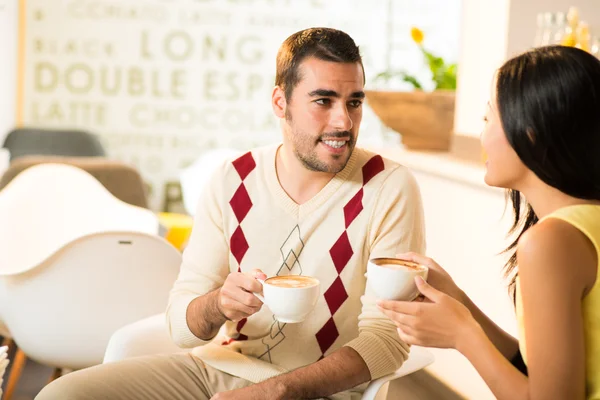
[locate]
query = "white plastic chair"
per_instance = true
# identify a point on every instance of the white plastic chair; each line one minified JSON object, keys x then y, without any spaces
{"x":150,"y":336}
{"x":49,"y":205}
{"x":63,"y":312}
{"x":4,"y":160}
{"x":418,"y":359}
{"x":194,"y":178}
{"x":3,"y":365}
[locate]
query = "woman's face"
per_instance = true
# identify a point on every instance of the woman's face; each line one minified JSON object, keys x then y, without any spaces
{"x":504,"y":168}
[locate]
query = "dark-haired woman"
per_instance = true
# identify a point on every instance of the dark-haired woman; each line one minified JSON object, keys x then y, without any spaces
{"x":542,"y":138}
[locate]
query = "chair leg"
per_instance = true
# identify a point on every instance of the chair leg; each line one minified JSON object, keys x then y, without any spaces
{"x":15,"y":373}
{"x":57,"y":373}
{"x":7,"y":342}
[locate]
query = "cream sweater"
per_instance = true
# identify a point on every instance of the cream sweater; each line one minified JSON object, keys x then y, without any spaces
{"x":245,"y":220}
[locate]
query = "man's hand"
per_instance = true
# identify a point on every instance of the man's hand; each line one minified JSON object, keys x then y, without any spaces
{"x":235,"y":300}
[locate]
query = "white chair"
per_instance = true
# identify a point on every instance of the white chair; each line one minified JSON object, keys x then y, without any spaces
{"x":418,"y":359}
{"x":194,"y":178}
{"x":49,"y":205}
{"x":3,"y":365}
{"x":150,"y":336}
{"x":4,"y":160}
{"x":63,"y":311}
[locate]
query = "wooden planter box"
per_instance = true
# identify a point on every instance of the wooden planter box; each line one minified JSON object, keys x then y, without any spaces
{"x":425,"y":120}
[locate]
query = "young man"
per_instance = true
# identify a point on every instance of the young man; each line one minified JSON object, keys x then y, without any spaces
{"x":314,"y":205}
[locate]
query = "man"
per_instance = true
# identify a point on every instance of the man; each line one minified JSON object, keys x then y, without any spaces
{"x":314,"y":205}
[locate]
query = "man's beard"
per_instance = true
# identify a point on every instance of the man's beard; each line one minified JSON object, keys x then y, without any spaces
{"x":305,"y":149}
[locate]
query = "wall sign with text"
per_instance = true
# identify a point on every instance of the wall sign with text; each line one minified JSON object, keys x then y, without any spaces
{"x":163,"y":81}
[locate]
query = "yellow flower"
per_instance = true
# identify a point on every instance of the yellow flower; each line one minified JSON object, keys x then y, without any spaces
{"x":417,"y":35}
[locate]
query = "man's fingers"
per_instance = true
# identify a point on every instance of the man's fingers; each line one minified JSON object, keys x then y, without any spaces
{"x":248,"y":283}
{"x":237,"y":310}
{"x":245,"y":298}
{"x":258,"y":274}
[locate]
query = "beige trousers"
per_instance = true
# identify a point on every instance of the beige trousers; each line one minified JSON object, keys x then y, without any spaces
{"x":159,"y":377}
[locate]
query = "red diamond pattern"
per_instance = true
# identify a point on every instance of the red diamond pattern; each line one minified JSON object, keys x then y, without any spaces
{"x":335,"y":295}
{"x":244,"y":165}
{"x":238,"y":244}
{"x":372,"y":168}
{"x":353,"y":208}
{"x":240,"y":335}
{"x":327,"y":335}
{"x":239,"y":327}
{"x":341,"y":252}
{"x":241,"y":203}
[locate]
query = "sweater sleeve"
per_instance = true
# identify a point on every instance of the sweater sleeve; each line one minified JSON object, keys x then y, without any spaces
{"x":205,"y":263}
{"x":397,"y":225}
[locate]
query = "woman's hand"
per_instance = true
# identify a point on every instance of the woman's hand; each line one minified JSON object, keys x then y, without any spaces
{"x":441,"y":322}
{"x":437,"y":276}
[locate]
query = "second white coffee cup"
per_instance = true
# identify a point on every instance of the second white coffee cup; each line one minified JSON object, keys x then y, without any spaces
{"x":394,"y":279}
{"x":291,"y":298}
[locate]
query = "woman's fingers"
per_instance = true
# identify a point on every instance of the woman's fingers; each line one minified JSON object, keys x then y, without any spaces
{"x":399,"y":318}
{"x":406,"y":336}
{"x":420,"y":259}
{"x":403,"y":307}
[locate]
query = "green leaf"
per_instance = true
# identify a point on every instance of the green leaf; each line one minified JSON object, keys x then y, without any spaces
{"x":386,"y":76}
{"x":412,"y":80}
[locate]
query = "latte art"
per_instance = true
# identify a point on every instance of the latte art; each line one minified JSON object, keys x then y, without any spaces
{"x":292,"y":281}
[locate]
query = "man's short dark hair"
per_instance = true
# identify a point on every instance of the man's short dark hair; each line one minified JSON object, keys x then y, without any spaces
{"x":326,"y":44}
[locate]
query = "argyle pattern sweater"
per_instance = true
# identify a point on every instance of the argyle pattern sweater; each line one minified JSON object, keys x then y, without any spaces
{"x":245,"y":220}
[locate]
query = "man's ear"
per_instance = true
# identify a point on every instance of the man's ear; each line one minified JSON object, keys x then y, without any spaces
{"x":278,"y":102}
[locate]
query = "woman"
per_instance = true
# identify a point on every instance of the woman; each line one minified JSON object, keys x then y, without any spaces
{"x":542,"y":138}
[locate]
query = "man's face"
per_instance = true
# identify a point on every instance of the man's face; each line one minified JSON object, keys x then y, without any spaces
{"x":323,"y":114}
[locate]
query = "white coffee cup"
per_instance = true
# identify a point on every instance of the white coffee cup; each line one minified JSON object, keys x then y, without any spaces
{"x":394,"y":279}
{"x":290,"y":297}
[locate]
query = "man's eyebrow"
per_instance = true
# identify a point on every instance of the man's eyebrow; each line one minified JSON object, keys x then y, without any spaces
{"x":333,"y":93}
{"x":324,"y":93}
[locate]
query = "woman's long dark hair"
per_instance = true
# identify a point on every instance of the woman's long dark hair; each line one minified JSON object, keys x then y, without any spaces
{"x":549,"y":104}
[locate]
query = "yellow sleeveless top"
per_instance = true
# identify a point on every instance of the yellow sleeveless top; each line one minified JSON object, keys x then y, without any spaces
{"x":586,"y":218}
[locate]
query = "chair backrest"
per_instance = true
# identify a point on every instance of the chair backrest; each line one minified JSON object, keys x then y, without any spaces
{"x":63,"y":312}
{"x":28,"y":141}
{"x":195,"y":177}
{"x":122,"y":180}
{"x":49,"y":205}
{"x":4,"y":160}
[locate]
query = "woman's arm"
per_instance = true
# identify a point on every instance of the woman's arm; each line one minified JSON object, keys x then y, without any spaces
{"x":442,"y":281}
{"x":506,"y":344}
{"x":557,"y":263}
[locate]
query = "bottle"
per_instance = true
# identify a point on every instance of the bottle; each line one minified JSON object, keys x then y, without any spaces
{"x":539,"y":33}
{"x":595,"y":47}
{"x":570,"y":37}
{"x":583,"y":37}
{"x":560,"y":26}
{"x":548,"y":27}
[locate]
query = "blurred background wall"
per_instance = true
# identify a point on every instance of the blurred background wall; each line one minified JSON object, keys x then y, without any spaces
{"x":163,"y":81}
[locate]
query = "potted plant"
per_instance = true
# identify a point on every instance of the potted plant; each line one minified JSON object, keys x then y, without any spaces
{"x":424,"y":119}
